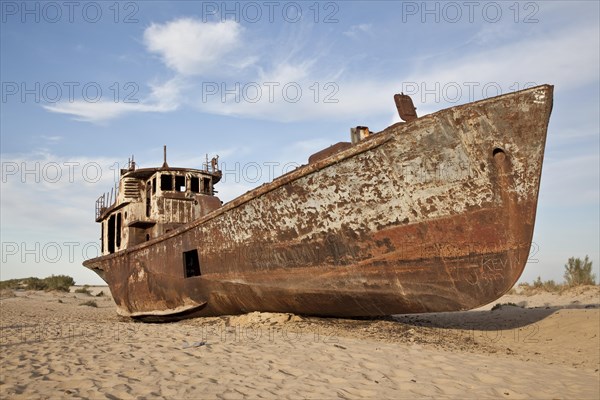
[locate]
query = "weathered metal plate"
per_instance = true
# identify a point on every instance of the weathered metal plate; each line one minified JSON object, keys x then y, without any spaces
{"x":406,"y":108}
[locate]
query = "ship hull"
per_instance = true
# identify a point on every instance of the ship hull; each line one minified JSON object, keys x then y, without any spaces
{"x":427,"y":216}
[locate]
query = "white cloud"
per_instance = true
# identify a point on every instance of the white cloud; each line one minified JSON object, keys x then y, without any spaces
{"x":163,"y":98}
{"x":192,"y":47}
{"x":51,"y":138}
{"x":187,"y":46}
{"x":304,"y":99}
{"x":100,"y":111}
{"x":506,"y":68}
{"x":568,"y":58}
{"x":287,"y":72}
{"x":356,"y":30}
{"x":47,"y":213}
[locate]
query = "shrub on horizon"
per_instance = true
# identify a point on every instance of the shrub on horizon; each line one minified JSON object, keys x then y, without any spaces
{"x":84,"y":290}
{"x":579,"y":272}
{"x":61,"y":283}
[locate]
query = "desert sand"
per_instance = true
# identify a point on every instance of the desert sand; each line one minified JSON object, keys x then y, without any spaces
{"x":546,"y":347}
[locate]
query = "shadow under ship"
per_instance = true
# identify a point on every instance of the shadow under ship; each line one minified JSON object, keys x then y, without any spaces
{"x":432,"y":214}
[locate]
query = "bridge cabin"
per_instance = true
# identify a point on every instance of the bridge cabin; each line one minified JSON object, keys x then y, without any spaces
{"x":150,"y":202}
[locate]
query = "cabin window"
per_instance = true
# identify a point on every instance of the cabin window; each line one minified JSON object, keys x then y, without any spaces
{"x":166,"y":182}
{"x":206,"y":185}
{"x":195,"y":184}
{"x":154,"y":185}
{"x":118,"y":230}
{"x":110,"y":230}
{"x":191,"y":263}
{"x":180,"y":183}
{"x":148,"y":201}
{"x":147,"y":237}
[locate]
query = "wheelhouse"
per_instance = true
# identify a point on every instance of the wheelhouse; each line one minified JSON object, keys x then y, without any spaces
{"x":150,"y":202}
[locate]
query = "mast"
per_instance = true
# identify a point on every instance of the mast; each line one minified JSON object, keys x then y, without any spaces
{"x":165,"y":165}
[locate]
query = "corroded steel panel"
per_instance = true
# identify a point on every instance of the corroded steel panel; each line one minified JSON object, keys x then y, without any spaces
{"x":406,"y":108}
{"x":432,"y":215}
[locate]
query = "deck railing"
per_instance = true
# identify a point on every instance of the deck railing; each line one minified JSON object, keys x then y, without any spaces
{"x":107,"y":200}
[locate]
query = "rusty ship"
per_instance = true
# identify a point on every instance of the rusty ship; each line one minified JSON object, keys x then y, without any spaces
{"x":432,"y":214}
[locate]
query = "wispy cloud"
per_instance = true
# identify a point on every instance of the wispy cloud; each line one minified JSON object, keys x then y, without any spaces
{"x":567,"y":57}
{"x":163,"y":98}
{"x":51,"y":139}
{"x":297,"y":84}
{"x":356,"y":30}
{"x":526,"y":60}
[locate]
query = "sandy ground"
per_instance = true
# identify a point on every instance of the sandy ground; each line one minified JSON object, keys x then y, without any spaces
{"x":547,"y":347}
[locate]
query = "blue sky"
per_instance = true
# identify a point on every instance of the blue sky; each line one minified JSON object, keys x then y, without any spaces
{"x":264,"y":85}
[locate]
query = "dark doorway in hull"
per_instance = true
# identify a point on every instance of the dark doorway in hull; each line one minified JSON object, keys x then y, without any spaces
{"x":191,"y":263}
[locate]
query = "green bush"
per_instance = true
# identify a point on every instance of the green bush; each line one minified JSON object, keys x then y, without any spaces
{"x":552,"y":286}
{"x":89,"y":303}
{"x":10,"y":284}
{"x":84,"y":290}
{"x":61,"y":283}
{"x":55,"y":282}
{"x":578,"y":272}
{"x":35,"y":284}
{"x":549,"y":286}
